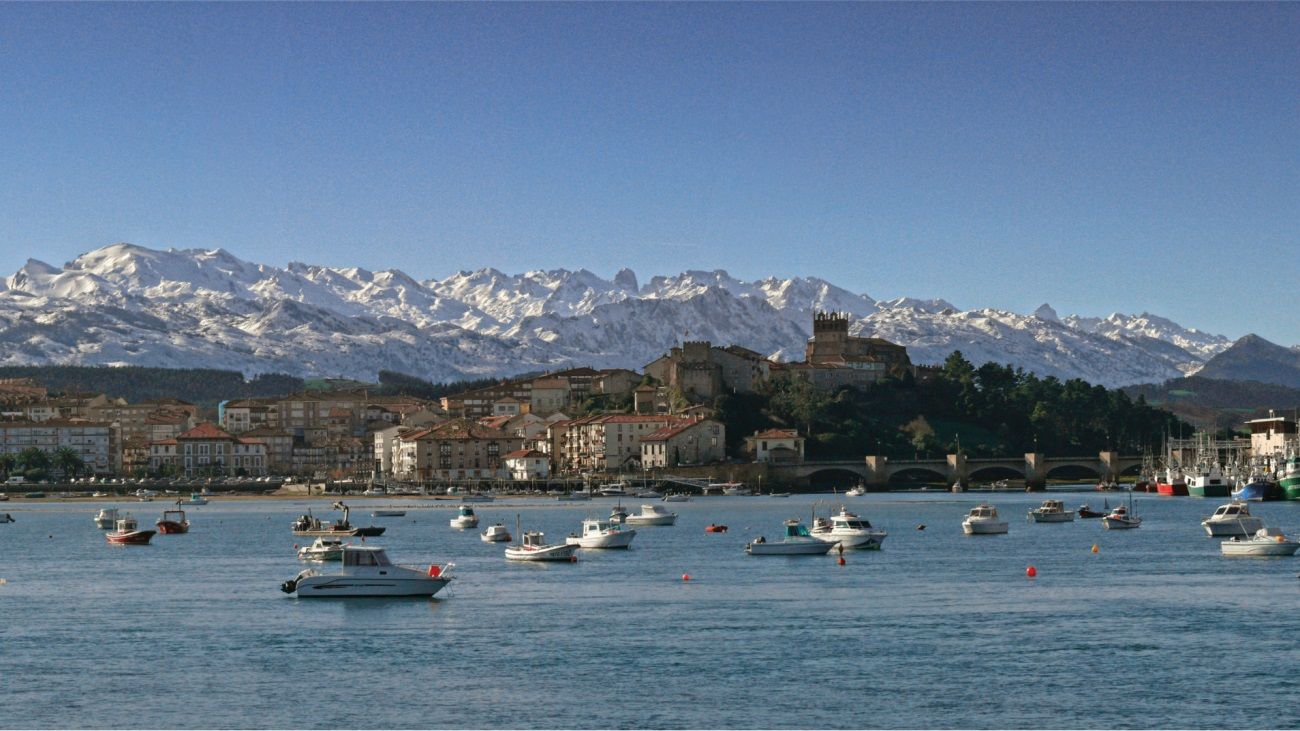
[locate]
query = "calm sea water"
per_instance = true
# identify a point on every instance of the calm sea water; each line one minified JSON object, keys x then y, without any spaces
{"x":936,"y":630}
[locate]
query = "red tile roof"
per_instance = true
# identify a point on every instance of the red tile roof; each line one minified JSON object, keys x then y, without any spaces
{"x":776,"y":434}
{"x":525,"y":454}
{"x":207,"y":431}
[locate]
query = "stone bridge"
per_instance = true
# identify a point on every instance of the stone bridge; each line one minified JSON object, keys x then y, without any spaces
{"x":1034,"y":468}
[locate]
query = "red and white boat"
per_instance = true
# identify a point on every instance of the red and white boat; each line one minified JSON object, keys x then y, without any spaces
{"x":1172,"y":482}
{"x":128,"y":532}
{"x":173,"y":521}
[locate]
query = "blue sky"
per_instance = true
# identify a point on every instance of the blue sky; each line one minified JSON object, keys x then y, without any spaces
{"x":1100,"y":157}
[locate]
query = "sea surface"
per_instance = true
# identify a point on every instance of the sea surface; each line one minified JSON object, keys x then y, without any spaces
{"x":937,"y":630}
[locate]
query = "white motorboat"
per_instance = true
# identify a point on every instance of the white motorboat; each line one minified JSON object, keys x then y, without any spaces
{"x":601,"y":534}
{"x":649,"y":495}
{"x":375,"y":491}
{"x":778,"y":494}
{"x":366,"y":571}
{"x":1052,"y":511}
{"x":535,"y":548}
{"x":677,"y":497}
{"x":1264,"y":542}
{"x":797,"y":542}
{"x":1232,"y":519}
{"x":477,"y":497}
{"x":388,"y":514}
{"x":324,"y":548}
{"x":612,"y":489}
{"x":858,"y":491}
{"x":465,"y":518}
{"x":106,"y":518}
{"x":848,"y":530}
{"x":652,"y":514}
{"x":495,"y":533}
{"x":983,"y":520}
{"x":732,"y":488}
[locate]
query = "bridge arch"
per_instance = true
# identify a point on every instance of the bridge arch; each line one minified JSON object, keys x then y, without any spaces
{"x":917,"y":474}
{"x":1131,"y":470}
{"x":834,"y":477}
{"x":997,"y":472}
{"x":1072,"y":471}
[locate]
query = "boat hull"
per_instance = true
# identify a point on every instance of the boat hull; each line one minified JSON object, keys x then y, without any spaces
{"x":865,"y":541}
{"x":615,"y":539}
{"x":336,"y":587}
{"x":548,"y":553}
{"x":1259,"y":548}
{"x":1226,"y":528}
{"x":172,"y":526}
{"x":1062,"y":517}
{"x":1259,"y":491}
{"x":317,"y":533}
{"x":130,"y":538}
{"x":793,"y":548}
{"x":1176,"y":489}
{"x":464,"y":523}
{"x":984,"y":528}
{"x":652,"y":520}
{"x":1113,"y":523}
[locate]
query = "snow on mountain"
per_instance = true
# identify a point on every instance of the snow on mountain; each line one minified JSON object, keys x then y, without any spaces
{"x":130,"y":304}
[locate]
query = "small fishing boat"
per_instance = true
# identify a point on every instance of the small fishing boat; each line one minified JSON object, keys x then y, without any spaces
{"x":173,"y":521}
{"x":797,"y":542}
{"x":858,"y":491}
{"x":677,"y":497}
{"x":601,"y":534}
{"x":128,"y":532}
{"x":535,"y":548}
{"x":1265,"y":542}
{"x":366,"y":571}
{"x":612,"y":489}
{"x":1086,"y":512}
{"x":983,"y":520}
{"x":848,"y":530}
{"x":106,"y":518}
{"x":571,"y":497}
{"x":649,"y":495}
{"x":1208,"y":481}
{"x":495,"y":533}
{"x":1232,"y":519}
{"x":1051,"y":511}
{"x":715,"y":528}
{"x":1258,"y":487}
{"x":652,"y":514}
{"x":731,"y":488}
{"x":196,"y":498}
{"x":1172,"y":482}
{"x":465,"y":518}
{"x":323,"y":549}
{"x":1122,"y":517}
{"x":778,"y":494}
{"x":388,"y":514}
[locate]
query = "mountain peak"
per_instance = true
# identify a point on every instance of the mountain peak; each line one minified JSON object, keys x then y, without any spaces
{"x":1046,"y":312}
{"x":626,"y":278}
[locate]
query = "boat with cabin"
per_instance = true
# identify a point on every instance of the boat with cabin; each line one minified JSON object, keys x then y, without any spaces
{"x":1232,"y":519}
{"x":598,"y":533}
{"x":128,"y":532}
{"x":1172,"y":481}
{"x":534,"y":547}
{"x":1051,"y":511}
{"x":1208,"y":481}
{"x":858,"y":491}
{"x":495,"y":533}
{"x":196,"y":498}
{"x":106,"y":518}
{"x":173,"y":521}
{"x":465,"y":518}
{"x":848,"y":530}
{"x":1259,"y":487}
{"x":1122,"y":517}
{"x":677,"y":497}
{"x":1264,"y":542}
{"x":1288,"y":478}
{"x":652,"y":514}
{"x":308,"y":525}
{"x":324,"y":548}
{"x":798,"y":541}
{"x":365,"y":571}
{"x":983,"y":520}
{"x":731,"y":488}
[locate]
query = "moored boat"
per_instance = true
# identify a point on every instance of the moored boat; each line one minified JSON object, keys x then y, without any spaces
{"x":106,"y":518}
{"x":677,"y":497}
{"x":533,"y":547}
{"x":388,"y":514}
{"x":731,"y":488}
{"x":173,"y":521}
{"x":367,"y":572}
{"x":495,"y":533}
{"x":1122,"y":517}
{"x":465,"y":518}
{"x":1172,"y":482}
{"x":983,"y":520}
{"x":128,"y":532}
{"x":1264,"y":542}
{"x":1086,"y":512}
{"x":1258,"y":487}
{"x":715,"y":528}
{"x":1288,"y":478}
{"x":324,"y":548}
{"x":1232,"y":519}
{"x":1208,"y":481}
{"x":601,"y":534}
{"x":848,"y":530}
{"x":196,"y":498}
{"x":797,"y":542}
{"x":652,"y":514}
{"x":1051,"y":511}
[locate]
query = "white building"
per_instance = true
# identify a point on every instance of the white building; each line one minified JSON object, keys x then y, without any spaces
{"x":528,"y":464}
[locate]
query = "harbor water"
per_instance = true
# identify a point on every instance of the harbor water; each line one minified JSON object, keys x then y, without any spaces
{"x":938,"y":629}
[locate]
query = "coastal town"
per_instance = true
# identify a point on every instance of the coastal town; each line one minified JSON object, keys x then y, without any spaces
{"x":524,"y":429}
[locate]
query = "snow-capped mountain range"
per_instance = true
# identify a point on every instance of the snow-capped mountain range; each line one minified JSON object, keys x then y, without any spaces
{"x":126,"y":304}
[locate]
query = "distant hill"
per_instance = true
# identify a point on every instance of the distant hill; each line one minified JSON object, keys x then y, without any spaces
{"x":1253,"y":358}
{"x":1224,"y":403}
{"x":202,"y":386}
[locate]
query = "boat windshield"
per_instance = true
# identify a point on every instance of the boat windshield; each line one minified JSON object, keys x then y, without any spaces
{"x":855,"y":523}
{"x":796,"y":529}
{"x":365,"y":558}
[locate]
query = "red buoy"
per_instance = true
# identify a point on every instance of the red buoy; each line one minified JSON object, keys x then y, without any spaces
{"x":686,"y":577}
{"x":841,"y":560}
{"x":1031,"y":572}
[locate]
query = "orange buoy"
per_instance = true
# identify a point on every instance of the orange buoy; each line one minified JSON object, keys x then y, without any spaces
{"x":1031,"y":572}
{"x":686,"y":577}
{"x":1095,"y":548}
{"x":841,"y":560}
